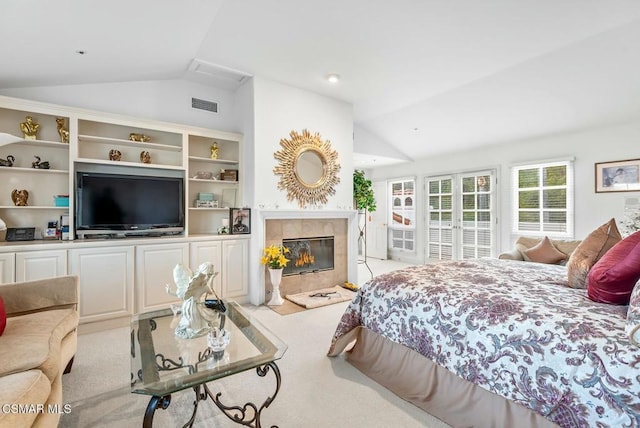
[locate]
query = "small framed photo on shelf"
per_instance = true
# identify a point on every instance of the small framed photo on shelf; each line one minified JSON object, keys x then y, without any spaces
{"x":618,"y":176}
{"x":240,"y":221}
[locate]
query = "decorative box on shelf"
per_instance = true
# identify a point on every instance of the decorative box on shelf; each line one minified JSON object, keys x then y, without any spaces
{"x":206,"y":204}
{"x":229,"y":174}
{"x":61,"y":200}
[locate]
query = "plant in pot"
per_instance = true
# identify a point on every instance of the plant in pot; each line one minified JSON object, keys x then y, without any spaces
{"x":363,"y":192}
{"x":364,"y":201}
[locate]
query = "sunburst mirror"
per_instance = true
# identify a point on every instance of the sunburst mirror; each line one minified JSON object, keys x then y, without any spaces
{"x":308,"y":168}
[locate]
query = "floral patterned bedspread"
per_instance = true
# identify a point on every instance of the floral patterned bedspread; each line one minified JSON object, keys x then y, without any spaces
{"x":513,"y":328}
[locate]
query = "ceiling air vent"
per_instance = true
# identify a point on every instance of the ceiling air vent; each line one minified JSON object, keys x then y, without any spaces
{"x":216,"y":75}
{"x":204,"y":105}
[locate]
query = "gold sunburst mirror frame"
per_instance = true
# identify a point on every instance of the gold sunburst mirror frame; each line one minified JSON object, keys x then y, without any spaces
{"x":308,"y":168}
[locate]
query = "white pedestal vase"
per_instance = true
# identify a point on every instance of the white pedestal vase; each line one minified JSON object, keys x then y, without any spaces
{"x":276,"y":278}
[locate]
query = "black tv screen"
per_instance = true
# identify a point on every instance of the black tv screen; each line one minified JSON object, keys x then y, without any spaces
{"x":128,"y":202}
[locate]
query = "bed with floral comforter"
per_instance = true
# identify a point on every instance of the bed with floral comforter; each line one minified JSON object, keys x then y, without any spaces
{"x":512,"y":328}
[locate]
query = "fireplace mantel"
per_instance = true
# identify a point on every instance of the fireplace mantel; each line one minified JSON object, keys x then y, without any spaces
{"x":257,"y":289}
{"x":351,"y":215}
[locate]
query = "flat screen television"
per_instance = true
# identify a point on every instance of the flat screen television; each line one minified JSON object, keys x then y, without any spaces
{"x":124,"y":205}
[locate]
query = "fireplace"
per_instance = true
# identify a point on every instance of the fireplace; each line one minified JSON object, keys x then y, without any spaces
{"x":308,"y":255}
{"x":279,"y":226}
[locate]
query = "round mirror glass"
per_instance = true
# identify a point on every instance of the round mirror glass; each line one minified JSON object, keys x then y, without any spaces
{"x":309,"y":167}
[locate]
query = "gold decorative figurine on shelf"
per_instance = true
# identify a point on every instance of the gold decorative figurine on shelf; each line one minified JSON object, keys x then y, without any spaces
{"x":145,"y":157}
{"x":62,"y":131}
{"x":140,"y":138}
{"x":115,"y":155}
{"x":214,"y":150}
{"x":20,"y":197}
{"x":29,"y":128}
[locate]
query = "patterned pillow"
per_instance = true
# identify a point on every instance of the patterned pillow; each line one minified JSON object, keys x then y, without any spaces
{"x":612,"y":278}
{"x":544,"y":252}
{"x":632,"y":328}
{"x":589,"y":251}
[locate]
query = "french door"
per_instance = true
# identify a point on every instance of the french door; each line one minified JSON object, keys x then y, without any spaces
{"x":460,"y":215}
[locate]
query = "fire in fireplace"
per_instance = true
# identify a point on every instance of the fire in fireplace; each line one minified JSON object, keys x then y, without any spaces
{"x":308,"y":255}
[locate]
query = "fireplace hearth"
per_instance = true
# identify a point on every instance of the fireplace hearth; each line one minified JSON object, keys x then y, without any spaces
{"x":281,"y":226}
{"x":309,"y":255}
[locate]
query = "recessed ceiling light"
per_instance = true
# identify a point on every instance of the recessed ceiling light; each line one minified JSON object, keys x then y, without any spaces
{"x":333,"y":78}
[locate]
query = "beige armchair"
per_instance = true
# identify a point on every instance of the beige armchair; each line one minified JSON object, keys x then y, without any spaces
{"x":36,"y":348}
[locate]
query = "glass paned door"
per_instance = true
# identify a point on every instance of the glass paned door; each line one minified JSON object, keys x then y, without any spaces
{"x":460,"y":216}
{"x":402,"y":215}
{"x":478,"y":225}
{"x":440,"y":218}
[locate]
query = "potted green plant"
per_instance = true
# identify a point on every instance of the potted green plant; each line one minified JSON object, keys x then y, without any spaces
{"x":363,"y":192}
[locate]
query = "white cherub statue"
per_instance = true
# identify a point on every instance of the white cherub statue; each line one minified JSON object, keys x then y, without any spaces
{"x":191,"y":287}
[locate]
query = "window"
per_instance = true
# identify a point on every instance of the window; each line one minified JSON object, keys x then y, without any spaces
{"x":402,"y":215}
{"x":543,"y":199}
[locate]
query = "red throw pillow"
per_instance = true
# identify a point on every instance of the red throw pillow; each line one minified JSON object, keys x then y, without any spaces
{"x":3,"y":317}
{"x":612,"y":278}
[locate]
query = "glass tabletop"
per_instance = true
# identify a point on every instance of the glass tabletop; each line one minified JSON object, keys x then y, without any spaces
{"x":163,"y":363}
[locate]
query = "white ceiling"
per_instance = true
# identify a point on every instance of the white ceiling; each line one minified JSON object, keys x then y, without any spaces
{"x":424,"y":76}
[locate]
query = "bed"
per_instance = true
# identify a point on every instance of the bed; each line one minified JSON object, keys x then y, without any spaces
{"x":490,"y":342}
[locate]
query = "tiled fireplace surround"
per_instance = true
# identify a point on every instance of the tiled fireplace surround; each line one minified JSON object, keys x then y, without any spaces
{"x":279,"y":225}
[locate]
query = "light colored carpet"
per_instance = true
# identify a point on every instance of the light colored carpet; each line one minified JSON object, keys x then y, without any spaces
{"x":317,"y":391}
{"x":322,"y":297}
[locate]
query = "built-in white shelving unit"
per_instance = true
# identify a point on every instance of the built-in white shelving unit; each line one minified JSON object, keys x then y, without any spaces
{"x":117,"y":277}
{"x":173,"y":148}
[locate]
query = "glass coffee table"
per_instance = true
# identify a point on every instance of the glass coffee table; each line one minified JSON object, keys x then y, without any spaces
{"x":162,"y":363}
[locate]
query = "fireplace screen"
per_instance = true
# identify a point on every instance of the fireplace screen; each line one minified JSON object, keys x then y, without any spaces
{"x":308,"y":255}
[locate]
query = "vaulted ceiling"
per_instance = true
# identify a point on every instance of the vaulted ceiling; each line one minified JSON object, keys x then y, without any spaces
{"x":424,"y":76}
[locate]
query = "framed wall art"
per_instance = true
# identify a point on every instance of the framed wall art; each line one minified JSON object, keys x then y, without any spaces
{"x":618,"y":176}
{"x":240,"y":221}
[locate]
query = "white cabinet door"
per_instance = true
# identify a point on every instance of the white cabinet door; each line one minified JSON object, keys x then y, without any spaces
{"x":154,"y":270}
{"x":106,"y":282}
{"x":34,"y":265}
{"x":7,"y":268}
{"x":235,"y":266}
{"x":211,"y":251}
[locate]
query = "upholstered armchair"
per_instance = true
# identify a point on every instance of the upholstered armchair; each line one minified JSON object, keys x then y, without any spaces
{"x":36,"y":347}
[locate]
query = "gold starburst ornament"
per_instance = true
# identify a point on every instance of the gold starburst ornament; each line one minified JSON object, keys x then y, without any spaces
{"x":308,"y":168}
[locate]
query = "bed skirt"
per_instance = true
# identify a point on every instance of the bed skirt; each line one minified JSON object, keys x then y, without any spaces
{"x":432,"y":388}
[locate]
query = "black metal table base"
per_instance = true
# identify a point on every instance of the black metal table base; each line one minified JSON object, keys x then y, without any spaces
{"x":247,"y":415}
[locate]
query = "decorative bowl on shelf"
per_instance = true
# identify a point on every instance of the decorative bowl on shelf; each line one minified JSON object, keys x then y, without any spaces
{"x":204,"y":175}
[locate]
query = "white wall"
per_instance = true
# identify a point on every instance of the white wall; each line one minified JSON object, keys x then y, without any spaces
{"x":587,"y":147}
{"x":164,"y":100}
{"x":280,"y":109}
{"x":244,"y":105}
{"x":364,"y":142}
